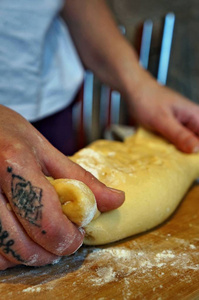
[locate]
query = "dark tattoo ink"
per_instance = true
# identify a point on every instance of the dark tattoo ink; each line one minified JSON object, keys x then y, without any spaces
{"x":6,"y":244}
{"x":27,"y":198}
{"x":9,"y":169}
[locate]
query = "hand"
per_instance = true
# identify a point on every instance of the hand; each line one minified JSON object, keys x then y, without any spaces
{"x":113,"y":60}
{"x":160,"y":109}
{"x":33,"y":229}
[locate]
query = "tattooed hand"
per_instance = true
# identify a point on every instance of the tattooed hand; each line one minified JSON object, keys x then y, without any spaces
{"x":33,"y":229}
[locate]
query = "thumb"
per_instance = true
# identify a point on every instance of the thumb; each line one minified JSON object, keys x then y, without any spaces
{"x":59,"y":166}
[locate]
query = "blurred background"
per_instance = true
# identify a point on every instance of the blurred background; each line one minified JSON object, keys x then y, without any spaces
{"x":183,"y":74}
{"x":104,"y":108}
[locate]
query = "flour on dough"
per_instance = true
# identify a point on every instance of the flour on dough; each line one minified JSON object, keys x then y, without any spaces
{"x":154,"y":175}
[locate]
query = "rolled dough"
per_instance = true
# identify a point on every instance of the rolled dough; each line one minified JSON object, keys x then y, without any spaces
{"x":154,"y":175}
{"x":77,"y":200}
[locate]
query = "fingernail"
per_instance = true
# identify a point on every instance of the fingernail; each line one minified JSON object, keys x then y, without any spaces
{"x":116,"y":191}
{"x":196,"y":149}
{"x":77,"y":248}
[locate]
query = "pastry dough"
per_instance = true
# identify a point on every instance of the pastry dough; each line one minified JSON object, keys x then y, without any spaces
{"x":154,"y":175}
{"x":77,"y":200}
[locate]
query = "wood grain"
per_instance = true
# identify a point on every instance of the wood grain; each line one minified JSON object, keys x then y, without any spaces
{"x":160,"y":264}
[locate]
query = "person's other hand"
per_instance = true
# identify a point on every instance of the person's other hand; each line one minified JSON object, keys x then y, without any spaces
{"x":166,"y":112}
{"x":33,"y":229}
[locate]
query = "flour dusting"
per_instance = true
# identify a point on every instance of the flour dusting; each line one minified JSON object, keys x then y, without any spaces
{"x":130,"y":267}
{"x":105,"y":275}
{"x":31,"y":290}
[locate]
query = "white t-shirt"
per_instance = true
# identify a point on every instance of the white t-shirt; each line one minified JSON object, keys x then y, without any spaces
{"x":40,"y":71}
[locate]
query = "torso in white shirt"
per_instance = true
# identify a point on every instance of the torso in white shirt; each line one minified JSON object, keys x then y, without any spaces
{"x":40,"y":71}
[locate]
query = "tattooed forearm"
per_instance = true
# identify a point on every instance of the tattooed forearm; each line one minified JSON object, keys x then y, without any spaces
{"x":6,"y":244}
{"x":26,"y":198}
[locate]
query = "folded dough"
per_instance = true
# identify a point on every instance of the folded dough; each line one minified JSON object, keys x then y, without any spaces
{"x":152,"y":172}
{"x":77,"y":200}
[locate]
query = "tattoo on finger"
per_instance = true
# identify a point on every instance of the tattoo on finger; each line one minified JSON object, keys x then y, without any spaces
{"x":27,"y":199}
{"x":6,"y":244}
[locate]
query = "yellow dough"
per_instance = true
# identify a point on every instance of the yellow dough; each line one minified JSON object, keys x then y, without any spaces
{"x":77,"y":200}
{"x":154,"y":175}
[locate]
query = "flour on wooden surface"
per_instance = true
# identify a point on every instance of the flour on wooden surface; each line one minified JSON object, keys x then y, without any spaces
{"x":98,"y":266}
{"x":32,"y":289}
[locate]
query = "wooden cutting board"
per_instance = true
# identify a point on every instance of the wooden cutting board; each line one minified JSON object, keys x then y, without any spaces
{"x":160,"y":264}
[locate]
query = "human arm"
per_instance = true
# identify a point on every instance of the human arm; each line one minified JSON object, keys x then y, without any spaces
{"x":109,"y":55}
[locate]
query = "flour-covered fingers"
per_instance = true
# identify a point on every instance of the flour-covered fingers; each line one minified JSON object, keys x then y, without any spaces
{"x":36,"y":206}
{"x":16,"y":247}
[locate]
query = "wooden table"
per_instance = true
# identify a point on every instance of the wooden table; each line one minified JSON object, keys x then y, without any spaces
{"x":160,"y":264}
